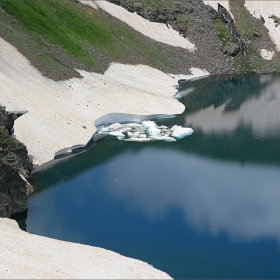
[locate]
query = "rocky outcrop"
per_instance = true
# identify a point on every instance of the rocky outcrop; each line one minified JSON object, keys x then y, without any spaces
{"x":193,"y":20}
{"x":224,"y":51}
{"x":176,"y":14}
{"x":14,"y":166}
{"x":227,"y":18}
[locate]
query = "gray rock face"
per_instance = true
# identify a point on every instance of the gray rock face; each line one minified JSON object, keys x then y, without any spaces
{"x":194,"y":20}
{"x":204,"y":27}
{"x":13,"y":161}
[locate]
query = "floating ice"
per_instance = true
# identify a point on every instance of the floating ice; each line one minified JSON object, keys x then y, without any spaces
{"x":164,"y":138}
{"x":115,"y":125}
{"x":142,"y":136}
{"x":151,"y":128}
{"x":124,"y":129}
{"x":146,"y":131}
{"x":180,"y":132}
{"x":117,"y":134}
{"x":105,"y":129}
{"x":133,"y":134}
{"x":177,"y":95}
{"x":133,"y":124}
{"x":134,"y":139}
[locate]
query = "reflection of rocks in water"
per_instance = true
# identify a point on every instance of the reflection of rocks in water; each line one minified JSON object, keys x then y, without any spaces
{"x":144,"y":132}
{"x":249,"y":101}
{"x":232,"y":91}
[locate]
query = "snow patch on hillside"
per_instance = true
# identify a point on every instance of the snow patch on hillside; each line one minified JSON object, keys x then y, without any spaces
{"x":159,"y":32}
{"x":267,"y":9}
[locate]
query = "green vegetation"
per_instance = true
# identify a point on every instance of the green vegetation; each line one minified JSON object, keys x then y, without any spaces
{"x":277,"y":68}
{"x":223,"y":32}
{"x":158,"y":5}
{"x":60,"y":35}
{"x":251,"y":31}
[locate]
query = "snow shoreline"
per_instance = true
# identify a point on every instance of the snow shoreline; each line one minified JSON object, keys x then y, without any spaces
{"x":63,"y":114}
{"x":29,"y":256}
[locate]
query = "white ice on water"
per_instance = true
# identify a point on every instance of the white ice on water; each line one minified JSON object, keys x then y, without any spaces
{"x":145,"y":132}
{"x":151,"y":128}
{"x":180,"y":132}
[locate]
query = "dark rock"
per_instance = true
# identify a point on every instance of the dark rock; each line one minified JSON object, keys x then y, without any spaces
{"x":14,"y":163}
{"x":181,"y":81}
{"x":137,"y":6}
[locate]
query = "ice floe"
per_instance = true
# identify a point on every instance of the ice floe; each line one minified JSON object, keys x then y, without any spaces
{"x":151,"y":128}
{"x":145,"y":131}
{"x":180,"y":132}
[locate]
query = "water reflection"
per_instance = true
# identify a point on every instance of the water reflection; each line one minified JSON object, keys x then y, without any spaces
{"x":243,"y":201}
{"x":250,"y":101}
{"x":206,"y":206}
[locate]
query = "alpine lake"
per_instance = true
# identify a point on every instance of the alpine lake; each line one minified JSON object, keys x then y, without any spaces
{"x":205,"y":206}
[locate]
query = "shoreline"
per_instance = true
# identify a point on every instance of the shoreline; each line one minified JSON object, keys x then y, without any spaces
{"x":31,"y":256}
{"x":65,"y":116}
{"x":62,"y":115}
{"x":66,"y":153}
{"x":57,"y":120}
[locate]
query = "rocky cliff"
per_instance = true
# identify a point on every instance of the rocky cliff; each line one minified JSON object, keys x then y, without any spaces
{"x":14,"y":164}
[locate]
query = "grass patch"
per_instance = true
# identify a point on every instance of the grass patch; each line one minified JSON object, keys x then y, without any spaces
{"x":277,"y":68}
{"x":60,"y":35}
{"x":223,"y":32}
{"x":251,"y":31}
{"x":157,"y":5}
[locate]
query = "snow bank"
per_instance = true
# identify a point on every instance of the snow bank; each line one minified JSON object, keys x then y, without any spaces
{"x":195,"y":73}
{"x":62,"y":114}
{"x":266,"y":9}
{"x":267,"y":55}
{"x":28,"y":256}
{"x":157,"y":31}
{"x":214,"y":4}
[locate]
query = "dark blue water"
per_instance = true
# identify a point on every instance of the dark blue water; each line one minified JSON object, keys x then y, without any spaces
{"x":206,"y":206}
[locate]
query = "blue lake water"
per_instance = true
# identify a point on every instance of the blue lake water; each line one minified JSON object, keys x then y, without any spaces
{"x":206,"y":206}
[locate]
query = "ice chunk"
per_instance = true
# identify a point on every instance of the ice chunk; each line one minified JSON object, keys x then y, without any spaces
{"x":115,"y":125}
{"x":104,"y":129}
{"x":164,"y":138}
{"x":133,"y":134}
{"x":124,"y":128}
{"x":180,"y":132}
{"x":117,"y":134}
{"x":134,"y":124}
{"x":151,"y":128}
{"x":177,"y":95}
{"x":138,"y":139}
{"x":142,"y":136}
{"x":174,"y":127}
